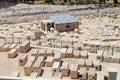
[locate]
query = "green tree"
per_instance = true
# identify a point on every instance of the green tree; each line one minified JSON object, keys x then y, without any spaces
{"x":94,"y":2}
{"x":33,"y":0}
{"x":49,"y":1}
{"x":80,"y":1}
{"x":101,"y":1}
{"x":72,"y":3}
{"x":62,"y":3}
{"x":115,"y":1}
{"x":65,"y":0}
{"x":87,"y":1}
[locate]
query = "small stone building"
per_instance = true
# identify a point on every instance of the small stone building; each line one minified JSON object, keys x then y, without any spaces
{"x":46,"y":24}
{"x":60,"y":23}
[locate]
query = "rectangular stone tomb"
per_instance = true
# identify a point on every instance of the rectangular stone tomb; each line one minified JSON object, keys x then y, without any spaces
{"x":12,"y":53}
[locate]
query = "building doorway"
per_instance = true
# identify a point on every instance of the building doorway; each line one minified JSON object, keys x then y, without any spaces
{"x":50,"y":25}
{"x":67,"y":26}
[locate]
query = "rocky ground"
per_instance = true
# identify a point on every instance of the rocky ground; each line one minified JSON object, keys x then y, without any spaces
{"x":29,"y":13}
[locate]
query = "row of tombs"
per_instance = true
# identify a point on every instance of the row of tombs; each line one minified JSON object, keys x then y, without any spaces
{"x":34,"y":59}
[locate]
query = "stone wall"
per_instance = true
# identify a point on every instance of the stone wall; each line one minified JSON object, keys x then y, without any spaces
{"x":66,"y":26}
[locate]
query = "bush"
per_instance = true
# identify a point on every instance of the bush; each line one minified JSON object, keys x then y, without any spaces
{"x":72,"y":3}
{"x":62,"y":3}
{"x":65,"y":0}
{"x":87,"y":2}
{"x":77,"y":3}
{"x":81,"y":2}
{"x":94,"y":2}
{"x":79,"y":32}
{"x":115,"y":17}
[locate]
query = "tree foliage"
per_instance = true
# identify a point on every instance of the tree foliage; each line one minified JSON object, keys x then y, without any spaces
{"x":62,"y":3}
{"x":101,"y":1}
{"x":49,"y":1}
{"x":33,"y":0}
{"x":72,"y":3}
{"x":65,"y":0}
{"x":115,"y":1}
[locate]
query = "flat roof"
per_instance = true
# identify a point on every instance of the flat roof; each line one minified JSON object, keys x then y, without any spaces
{"x":42,"y":50}
{"x":73,"y":67}
{"x":63,"y":50}
{"x":81,"y":61}
{"x":69,"y":50}
{"x":65,"y":65}
{"x":56,"y":64}
{"x":83,"y":71}
{"x":63,"y":19}
{"x":47,"y":21}
{"x":91,"y":71}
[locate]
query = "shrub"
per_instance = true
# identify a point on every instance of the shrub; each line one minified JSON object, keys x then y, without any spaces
{"x":65,"y":0}
{"x":62,"y":3}
{"x":72,"y":3}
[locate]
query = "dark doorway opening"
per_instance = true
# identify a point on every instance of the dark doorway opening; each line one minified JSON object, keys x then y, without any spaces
{"x":67,"y":26}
